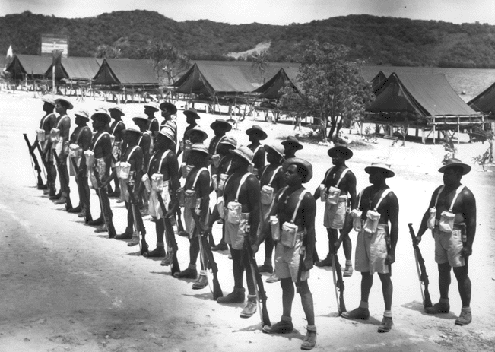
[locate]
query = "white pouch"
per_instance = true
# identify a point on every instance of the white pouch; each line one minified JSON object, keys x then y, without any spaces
{"x":267,"y":194}
{"x":356,"y":220}
{"x":147,"y":183}
{"x":75,"y":150}
{"x":323,"y":194}
{"x":215,"y":158}
{"x":157,"y":182}
{"x":221,"y":206}
{"x":288,"y":235}
{"x":125,"y":168}
{"x":446,"y":222}
{"x":431,"y":222}
{"x":116,"y":150}
{"x":90,"y":158}
{"x":371,"y":223}
{"x":101,"y":167}
{"x":234,"y":211}
{"x":275,"y":227}
{"x":40,"y":135}
{"x":55,"y":135}
{"x":221,"y":181}
{"x":333,"y":195}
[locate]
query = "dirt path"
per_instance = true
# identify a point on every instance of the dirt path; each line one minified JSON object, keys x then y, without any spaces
{"x":65,"y":288}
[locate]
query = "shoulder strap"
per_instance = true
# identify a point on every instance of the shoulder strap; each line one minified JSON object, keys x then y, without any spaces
{"x":440,"y":190}
{"x":243,"y":179}
{"x":163,"y":158}
{"x":99,"y":137}
{"x":327,"y":173}
{"x":197,"y":176}
{"x":360,"y":195}
{"x":301,"y":196}
{"x":274,"y":174}
{"x":341,"y":177}
{"x":384,"y":194}
{"x":457,"y":191}
{"x":132,"y":152}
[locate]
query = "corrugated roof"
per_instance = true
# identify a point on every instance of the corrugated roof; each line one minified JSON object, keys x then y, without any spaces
{"x":485,"y":101}
{"x":35,"y":64}
{"x":133,"y":72}
{"x":431,"y":95}
{"x":80,"y":68}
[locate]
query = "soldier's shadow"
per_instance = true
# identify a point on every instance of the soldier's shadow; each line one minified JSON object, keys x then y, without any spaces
{"x":206,"y":296}
{"x":370,"y":321}
{"x":418,"y":306}
{"x":295,"y":334}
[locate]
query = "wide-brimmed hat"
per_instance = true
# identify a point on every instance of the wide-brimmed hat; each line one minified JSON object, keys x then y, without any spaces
{"x":221,"y":123}
{"x":168,"y":132}
{"x":244,"y":152}
{"x":169,"y":107}
{"x":83,"y":114}
{"x":277,"y":149}
{"x":101,"y":114}
{"x":152,"y":105}
{"x":117,"y":108}
{"x":198,"y":129}
{"x":140,"y":118}
{"x":227,"y":140}
{"x":455,"y":163}
{"x":257,"y":129}
{"x":342,"y":150}
{"x":293,"y":140}
{"x":48,"y":98}
{"x":192,"y":112}
{"x":65,"y":102}
{"x":132,"y":129}
{"x":385,"y":168}
{"x":302,"y":163}
{"x":199,"y":147}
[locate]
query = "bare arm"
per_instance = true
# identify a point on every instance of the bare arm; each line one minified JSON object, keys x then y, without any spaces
{"x":469,"y":212}
{"x":423,"y":226}
{"x":253,"y":199}
{"x":308,"y":213}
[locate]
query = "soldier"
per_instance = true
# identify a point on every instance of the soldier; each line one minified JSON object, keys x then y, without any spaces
{"x":102,"y":149}
{"x":134,"y":156}
{"x":196,"y":199}
{"x":375,"y":248}
{"x":61,"y":150}
{"x":164,"y":163}
{"x":117,"y":131}
{"x":272,"y":180}
{"x":191,"y":117}
{"x":291,"y":146}
{"x":146,"y":144}
{"x":242,"y":216}
{"x":153,"y":126}
{"x":295,"y":209}
{"x":81,"y":136}
{"x":48,"y":122}
{"x":256,"y":134}
{"x":338,"y":191}
{"x":169,"y":111}
{"x":452,"y":219}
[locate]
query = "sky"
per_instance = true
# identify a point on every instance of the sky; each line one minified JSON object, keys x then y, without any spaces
{"x":278,"y":12}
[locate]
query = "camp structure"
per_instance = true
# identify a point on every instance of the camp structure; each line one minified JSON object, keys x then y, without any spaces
{"x":121,"y":74}
{"x":29,"y":67}
{"x":75,"y":70}
{"x":425,"y":102}
{"x":272,"y":89}
{"x":485,"y":102}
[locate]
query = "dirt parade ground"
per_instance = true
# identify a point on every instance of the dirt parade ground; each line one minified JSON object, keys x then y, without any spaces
{"x":65,"y":288}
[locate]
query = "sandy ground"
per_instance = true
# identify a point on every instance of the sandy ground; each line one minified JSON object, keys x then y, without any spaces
{"x":65,"y":288}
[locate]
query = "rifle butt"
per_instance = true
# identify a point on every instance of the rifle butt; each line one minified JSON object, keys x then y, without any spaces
{"x":264,"y":315}
{"x":427,"y":301}
{"x":217,"y":291}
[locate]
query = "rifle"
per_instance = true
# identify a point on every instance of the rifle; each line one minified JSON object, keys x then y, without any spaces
{"x":34,"y":160}
{"x":265,"y":319}
{"x":169,"y":234}
{"x":209,"y":257}
{"x":338,"y":284}
{"x":136,"y":214}
{"x":421,"y":270}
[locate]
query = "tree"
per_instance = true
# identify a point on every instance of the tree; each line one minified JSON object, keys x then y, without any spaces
{"x":167,"y":59}
{"x":260,"y":62}
{"x":107,"y":52}
{"x":330,"y":87}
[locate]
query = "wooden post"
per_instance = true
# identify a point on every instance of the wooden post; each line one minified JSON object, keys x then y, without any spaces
{"x":434,"y":129}
{"x":458,"y":131}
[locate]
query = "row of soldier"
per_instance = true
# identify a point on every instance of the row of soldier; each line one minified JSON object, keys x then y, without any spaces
{"x":258,"y":196}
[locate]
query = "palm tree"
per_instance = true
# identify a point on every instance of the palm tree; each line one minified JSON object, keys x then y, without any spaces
{"x":260,"y":62}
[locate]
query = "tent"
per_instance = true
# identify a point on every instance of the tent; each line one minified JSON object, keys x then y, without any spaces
{"x":126,"y":73}
{"x":271,"y":89}
{"x":485,"y":101}
{"x":34,"y":66}
{"x":421,"y":101}
{"x":75,"y":69}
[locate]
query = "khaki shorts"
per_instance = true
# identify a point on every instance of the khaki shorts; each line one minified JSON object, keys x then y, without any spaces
{"x":334,"y":216}
{"x":234,"y":233}
{"x":448,"y":247}
{"x":189,"y":221}
{"x":371,"y":251}
{"x":154,"y":207}
{"x":287,"y":262}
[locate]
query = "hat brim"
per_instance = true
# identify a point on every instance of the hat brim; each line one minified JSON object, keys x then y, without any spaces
{"x":84,"y":117}
{"x":300,"y":162}
{"x":236,"y":152}
{"x":139,"y":119}
{"x":465,"y":168}
{"x":119,"y":111}
{"x":193,"y":114}
{"x":203,"y":133}
{"x":99,"y":114}
{"x":224,"y":124}
{"x":251,"y":130}
{"x":169,"y":107}
{"x":269,"y":147}
{"x":132,"y":131}
{"x":299,"y":145}
{"x":340,"y":150}
{"x":388,"y":173}
{"x":152,"y":107}
{"x":69,"y":104}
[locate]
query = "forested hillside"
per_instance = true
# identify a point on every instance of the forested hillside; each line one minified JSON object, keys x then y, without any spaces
{"x":378,"y":40}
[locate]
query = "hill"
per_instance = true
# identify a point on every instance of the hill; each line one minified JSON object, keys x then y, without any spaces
{"x":377,"y":40}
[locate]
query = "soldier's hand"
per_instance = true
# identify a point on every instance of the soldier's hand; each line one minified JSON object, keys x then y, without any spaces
{"x":417,"y":240}
{"x":390,"y":259}
{"x":255,"y":247}
{"x":466,"y":251}
{"x":307,"y":263}
{"x":337,"y":244}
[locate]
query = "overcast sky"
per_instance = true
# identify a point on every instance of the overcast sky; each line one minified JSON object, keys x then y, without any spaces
{"x":266,"y":11}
